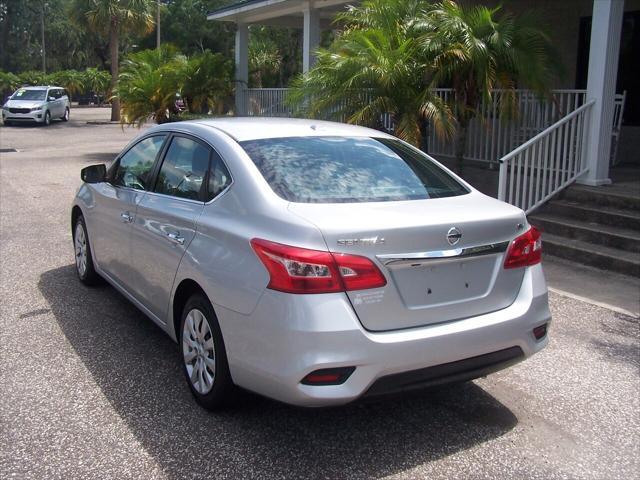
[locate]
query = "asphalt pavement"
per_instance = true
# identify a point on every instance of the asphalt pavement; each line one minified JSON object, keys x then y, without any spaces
{"x":90,"y":388}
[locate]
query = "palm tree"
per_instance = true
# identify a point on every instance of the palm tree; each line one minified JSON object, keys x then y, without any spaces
{"x":207,"y":83}
{"x":478,"y":49}
{"x":71,"y":80}
{"x":33,"y":77}
{"x":148,"y":84}
{"x":376,"y":66}
{"x":97,"y":81}
{"x":9,"y":82}
{"x":113,"y":18}
{"x":264,"y":57}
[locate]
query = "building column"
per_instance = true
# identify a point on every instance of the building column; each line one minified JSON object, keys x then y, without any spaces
{"x":242,"y":67}
{"x":310,"y":35}
{"x":604,"y":50}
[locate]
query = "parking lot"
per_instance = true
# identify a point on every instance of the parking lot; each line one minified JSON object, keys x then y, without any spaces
{"x":90,"y":388}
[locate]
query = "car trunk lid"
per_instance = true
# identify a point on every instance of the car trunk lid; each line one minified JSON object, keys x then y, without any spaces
{"x":429,"y":280}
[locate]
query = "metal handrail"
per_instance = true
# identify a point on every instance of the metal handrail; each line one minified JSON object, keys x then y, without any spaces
{"x":546,"y":131}
{"x":547,"y":163}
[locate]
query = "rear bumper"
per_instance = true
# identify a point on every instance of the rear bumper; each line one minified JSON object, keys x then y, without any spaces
{"x":459,"y":371}
{"x":289,"y":336}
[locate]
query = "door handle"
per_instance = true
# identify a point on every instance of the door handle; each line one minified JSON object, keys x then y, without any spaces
{"x":175,"y":238}
{"x":126,"y":217}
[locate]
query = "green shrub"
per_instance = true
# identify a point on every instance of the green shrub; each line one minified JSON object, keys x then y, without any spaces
{"x":208,"y":83}
{"x":150,"y":81}
{"x":9,"y":83}
{"x":148,"y":84}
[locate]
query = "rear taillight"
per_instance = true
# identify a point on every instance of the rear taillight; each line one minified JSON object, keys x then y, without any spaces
{"x":525,"y":250}
{"x":301,"y":270}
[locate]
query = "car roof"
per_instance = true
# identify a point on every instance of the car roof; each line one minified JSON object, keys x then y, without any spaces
{"x":255,"y":128}
{"x":39,"y":87}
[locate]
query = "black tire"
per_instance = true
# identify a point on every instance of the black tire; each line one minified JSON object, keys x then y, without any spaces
{"x":89,"y":276}
{"x":65,"y":117}
{"x":47,"y":118}
{"x":222,"y":391}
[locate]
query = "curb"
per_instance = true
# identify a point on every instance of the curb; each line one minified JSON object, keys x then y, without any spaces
{"x":613,"y":308}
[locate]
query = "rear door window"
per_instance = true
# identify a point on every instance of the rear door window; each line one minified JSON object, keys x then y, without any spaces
{"x":349,"y":170}
{"x":184,"y":169}
{"x":135,"y":167}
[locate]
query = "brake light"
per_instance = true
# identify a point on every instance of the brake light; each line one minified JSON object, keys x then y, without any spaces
{"x":301,"y":270}
{"x":525,"y":250}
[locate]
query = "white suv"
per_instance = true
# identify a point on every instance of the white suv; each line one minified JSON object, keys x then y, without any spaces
{"x":36,"y":104}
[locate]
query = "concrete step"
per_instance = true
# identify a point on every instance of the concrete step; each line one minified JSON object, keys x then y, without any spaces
{"x":603,"y":196}
{"x":615,"y":217}
{"x":600,"y":235}
{"x":599,"y":256}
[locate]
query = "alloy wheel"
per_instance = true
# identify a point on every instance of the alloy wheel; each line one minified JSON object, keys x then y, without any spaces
{"x":80,"y":243}
{"x":198,"y":351}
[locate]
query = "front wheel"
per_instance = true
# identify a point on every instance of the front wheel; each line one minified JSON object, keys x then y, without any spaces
{"x":65,"y":117}
{"x":204,"y":356}
{"x":47,"y":118}
{"x":84,"y":263}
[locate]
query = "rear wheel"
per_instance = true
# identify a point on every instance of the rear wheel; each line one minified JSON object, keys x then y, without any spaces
{"x":84,"y":263}
{"x":47,"y":118}
{"x":204,"y":356}
{"x":65,"y":117}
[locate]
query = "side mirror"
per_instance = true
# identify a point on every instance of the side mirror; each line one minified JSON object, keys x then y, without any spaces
{"x":52,"y":99}
{"x":94,"y":173}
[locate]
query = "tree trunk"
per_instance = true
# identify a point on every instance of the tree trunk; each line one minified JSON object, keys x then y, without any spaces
{"x":461,"y":144}
{"x":44,"y":50}
{"x":113,"y":52}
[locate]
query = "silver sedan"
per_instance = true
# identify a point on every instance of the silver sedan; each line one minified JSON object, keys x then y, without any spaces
{"x":311,"y":262}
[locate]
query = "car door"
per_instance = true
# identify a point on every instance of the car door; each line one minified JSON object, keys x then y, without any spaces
{"x":166,"y":219}
{"x":64,"y":101}
{"x":54,"y":105}
{"x":116,"y":202}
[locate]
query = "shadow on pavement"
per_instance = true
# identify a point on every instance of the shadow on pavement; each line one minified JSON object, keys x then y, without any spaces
{"x":620,"y":340}
{"x":137,"y":368}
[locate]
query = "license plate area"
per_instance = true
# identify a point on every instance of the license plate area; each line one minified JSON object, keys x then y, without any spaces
{"x":437,"y":282}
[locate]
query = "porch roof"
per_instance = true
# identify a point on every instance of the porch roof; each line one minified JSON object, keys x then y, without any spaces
{"x":287,"y":13}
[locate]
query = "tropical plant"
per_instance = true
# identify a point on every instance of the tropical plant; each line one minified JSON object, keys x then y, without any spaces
{"x":148,"y":84}
{"x":113,"y":18}
{"x":97,"y":81}
{"x":33,"y":77}
{"x":9,"y":83}
{"x":377,"y":66}
{"x":264,"y":58}
{"x":71,"y":80}
{"x":477,"y":49}
{"x":208,"y":83}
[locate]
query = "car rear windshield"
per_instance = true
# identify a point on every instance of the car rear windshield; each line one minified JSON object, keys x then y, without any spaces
{"x":348,"y":170}
{"x":24,"y":94}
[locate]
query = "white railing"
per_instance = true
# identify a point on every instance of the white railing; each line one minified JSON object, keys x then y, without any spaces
{"x":545,"y":164}
{"x":267,"y":102}
{"x":618,"y":114}
{"x":491,"y":135}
